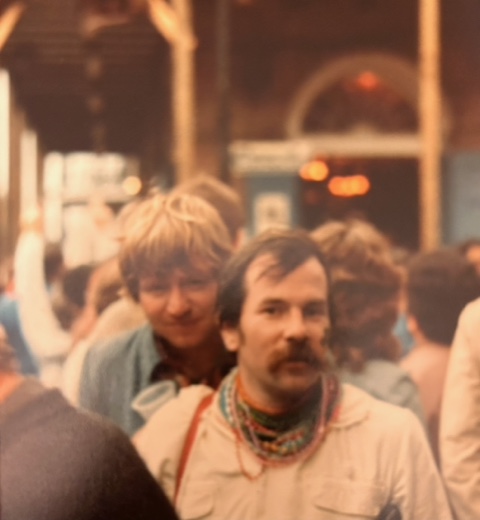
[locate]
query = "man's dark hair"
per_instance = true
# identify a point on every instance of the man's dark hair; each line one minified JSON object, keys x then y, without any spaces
{"x":290,"y":249}
{"x":439,"y":285}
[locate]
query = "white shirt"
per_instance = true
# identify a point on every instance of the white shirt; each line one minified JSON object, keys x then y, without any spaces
{"x":374,"y":454}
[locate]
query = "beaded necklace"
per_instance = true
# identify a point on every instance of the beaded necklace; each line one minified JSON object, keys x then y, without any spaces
{"x":283,"y":438}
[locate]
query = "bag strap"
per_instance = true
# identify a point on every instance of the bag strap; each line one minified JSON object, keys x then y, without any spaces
{"x":189,"y":440}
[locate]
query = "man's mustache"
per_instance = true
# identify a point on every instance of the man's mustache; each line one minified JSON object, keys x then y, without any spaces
{"x":298,"y":352}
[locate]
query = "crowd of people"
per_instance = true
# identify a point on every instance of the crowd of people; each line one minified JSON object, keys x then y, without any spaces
{"x":198,"y":374}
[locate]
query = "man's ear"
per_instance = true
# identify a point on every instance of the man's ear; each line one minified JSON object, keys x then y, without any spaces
{"x":231,"y":337}
{"x":412,"y":324}
{"x":414,"y":329}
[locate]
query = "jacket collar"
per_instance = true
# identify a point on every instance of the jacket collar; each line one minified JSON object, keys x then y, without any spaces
{"x":354,"y":408}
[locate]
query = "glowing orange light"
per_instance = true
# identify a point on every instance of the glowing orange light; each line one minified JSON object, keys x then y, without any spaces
{"x":131,"y":185}
{"x":367,"y":81}
{"x":315,"y":171}
{"x":352,"y":186}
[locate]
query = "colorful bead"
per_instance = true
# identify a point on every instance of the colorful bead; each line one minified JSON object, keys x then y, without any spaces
{"x":279,"y":439}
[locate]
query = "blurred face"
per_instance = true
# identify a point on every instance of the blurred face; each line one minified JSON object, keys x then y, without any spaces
{"x":280,"y":339}
{"x":180,"y":305}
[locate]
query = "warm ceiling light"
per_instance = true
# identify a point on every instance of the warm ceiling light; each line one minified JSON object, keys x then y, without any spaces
{"x":367,"y":81}
{"x":351,"y":186}
{"x":314,"y":171}
{"x":132,"y":185}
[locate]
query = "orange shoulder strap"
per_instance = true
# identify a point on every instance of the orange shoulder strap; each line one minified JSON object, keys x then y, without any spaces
{"x":189,"y":440}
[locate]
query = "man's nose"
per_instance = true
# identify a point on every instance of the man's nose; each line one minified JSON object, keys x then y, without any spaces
{"x":177,"y":303}
{"x":295,"y":325}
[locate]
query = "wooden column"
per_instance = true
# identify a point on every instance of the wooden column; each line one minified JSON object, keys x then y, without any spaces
{"x":430,"y":124}
{"x":184,"y":120}
{"x":8,"y":21}
{"x":223,"y":86}
{"x":17,"y":124}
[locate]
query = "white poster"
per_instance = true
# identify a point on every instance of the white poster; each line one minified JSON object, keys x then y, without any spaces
{"x":272,"y":210}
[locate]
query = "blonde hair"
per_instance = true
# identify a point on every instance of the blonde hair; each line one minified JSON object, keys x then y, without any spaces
{"x":168,"y":232}
{"x":365,"y":290}
{"x":221,"y":196}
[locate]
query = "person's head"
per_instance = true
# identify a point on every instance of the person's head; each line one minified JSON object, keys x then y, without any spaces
{"x":104,"y":287}
{"x":365,"y":291}
{"x":274,"y":312}
{"x":75,"y":283}
{"x":440,"y":284}
{"x":470,"y":249}
{"x":53,"y":264}
{"x":70,"y":301}
{"x":170,"y":258}
{"x":222,"y":197}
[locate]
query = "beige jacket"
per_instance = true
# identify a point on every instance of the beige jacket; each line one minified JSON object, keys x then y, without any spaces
{"x":460,"y":418}
{"x":375,"y":453}
{"x":427,"y":365}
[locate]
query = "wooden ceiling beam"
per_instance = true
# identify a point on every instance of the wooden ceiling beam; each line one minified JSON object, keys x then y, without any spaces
{"x":8,"y":21}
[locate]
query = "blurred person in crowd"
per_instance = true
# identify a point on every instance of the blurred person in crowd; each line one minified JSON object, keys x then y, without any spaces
{"x":440,"y":284}
{"x":401,"y":257}
{"x":223,"y":198}
{"x":59,"y":464}
{"x":53,"y":306}
{"x":10,"y":321}
{"x":49,"y":342}
{"x":366,"y":287}
{"x":104,"y":288}
{"x":282,"y":437}
{"x":470,"y":249}
{"x":89,"y":232}
{"x":460,"y":417}
{"x":170,"y":257}
{"x":53,"y":265}
{"x":69,"y":302}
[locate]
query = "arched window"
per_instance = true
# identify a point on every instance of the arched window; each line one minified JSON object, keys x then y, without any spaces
{"x":361,"y":94}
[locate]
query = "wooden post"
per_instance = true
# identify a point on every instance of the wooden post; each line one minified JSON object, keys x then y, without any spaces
{"x":430,"y":124}
{"x":223,"y":86}
{"x":8,"y":21}
{"x":184,"y":121}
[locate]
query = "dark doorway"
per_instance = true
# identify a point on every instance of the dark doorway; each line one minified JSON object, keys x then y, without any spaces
{"x":391,"y":202}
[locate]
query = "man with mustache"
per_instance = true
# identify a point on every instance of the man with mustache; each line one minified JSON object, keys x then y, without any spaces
{"x":282,"y":438}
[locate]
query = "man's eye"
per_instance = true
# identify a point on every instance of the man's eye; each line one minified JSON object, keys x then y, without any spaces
{"x":156,"y":289}
{"x":315,"y":311}
{"x":196,"y":284}
{"x":272,"y":311}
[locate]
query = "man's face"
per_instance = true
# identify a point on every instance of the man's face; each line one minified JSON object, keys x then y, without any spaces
{"x":180,"y":305}
{"x":280,"y":339}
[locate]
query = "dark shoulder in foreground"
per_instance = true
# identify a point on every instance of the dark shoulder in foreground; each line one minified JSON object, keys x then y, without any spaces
{"x":59,"y":463}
